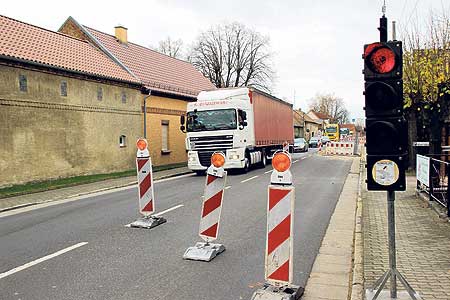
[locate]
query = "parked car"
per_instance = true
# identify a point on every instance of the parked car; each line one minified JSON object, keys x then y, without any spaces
{"x":300,"y":145}
{"x":314,"y":142}
{"x":325,"y":140}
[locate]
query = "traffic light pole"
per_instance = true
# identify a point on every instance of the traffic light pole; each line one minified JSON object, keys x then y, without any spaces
{"x":391,"y":237}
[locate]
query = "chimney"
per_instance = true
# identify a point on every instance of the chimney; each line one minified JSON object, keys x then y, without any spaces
{"x":121,"y":34}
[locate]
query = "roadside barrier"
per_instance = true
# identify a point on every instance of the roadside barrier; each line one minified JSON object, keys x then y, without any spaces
{"x":211,"y":210}
{"x":339,"y":148}
{"x":279,"y":237}
{"x":145,"y":188}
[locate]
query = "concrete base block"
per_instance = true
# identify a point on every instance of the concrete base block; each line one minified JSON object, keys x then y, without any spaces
{"x":203,"y":251}
{"x":148,"y":222}
{"x":271,"y":292}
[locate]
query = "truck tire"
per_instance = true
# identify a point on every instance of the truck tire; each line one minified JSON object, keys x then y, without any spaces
{"x":200,"y":173}
{"x":263,"y":162}
{"x":246,"y":164}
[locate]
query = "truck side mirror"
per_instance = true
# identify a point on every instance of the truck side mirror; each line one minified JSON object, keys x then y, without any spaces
{"x":242,"y":117}
{"x":182,"y":121}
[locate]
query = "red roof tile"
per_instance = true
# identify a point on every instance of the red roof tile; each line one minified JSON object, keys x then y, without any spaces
{"x":157,"y":71}
{"x":31,"y":43}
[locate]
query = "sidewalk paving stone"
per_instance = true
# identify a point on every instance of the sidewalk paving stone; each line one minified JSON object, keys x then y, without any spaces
{"x":422,"y":242}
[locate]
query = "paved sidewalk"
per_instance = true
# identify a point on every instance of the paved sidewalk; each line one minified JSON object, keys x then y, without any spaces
{"x":423,"y":242}
{"x":331,"y":275}
{"x":74,"y":191}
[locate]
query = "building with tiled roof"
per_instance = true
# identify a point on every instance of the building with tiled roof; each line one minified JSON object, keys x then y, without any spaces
{"x":305,"y":126}
{"x":157,"y":71}
{"x":172,"y":83}
{"x":66,"y":108}
{"x":22,"y":42}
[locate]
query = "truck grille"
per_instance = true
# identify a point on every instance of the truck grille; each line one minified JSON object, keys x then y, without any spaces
{"x":205,"y":157}
{"x":215,"y":143}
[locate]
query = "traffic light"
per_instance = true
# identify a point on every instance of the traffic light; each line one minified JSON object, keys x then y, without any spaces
{"x":386,"y":127}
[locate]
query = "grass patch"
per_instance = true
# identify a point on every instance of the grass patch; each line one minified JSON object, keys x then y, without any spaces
{"x":34,"y":187}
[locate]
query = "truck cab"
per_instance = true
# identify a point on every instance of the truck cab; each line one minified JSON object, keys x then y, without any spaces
{"x":219,"y":121}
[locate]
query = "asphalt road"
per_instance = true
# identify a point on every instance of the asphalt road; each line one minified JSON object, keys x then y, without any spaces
{"x":118,"y":262}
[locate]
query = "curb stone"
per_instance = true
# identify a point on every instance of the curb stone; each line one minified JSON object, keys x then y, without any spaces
{"x":357,"y":287}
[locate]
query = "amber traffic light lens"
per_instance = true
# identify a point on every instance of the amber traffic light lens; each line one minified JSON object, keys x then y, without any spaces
{"x":141,"y":144}
{"x":218,"y":159}
{"x":281,"y":162}
{"x":381,"y":60}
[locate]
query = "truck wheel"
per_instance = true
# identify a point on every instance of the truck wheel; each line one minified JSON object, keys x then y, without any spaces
{"x":263,"y":162}
{"x":246,"y":164}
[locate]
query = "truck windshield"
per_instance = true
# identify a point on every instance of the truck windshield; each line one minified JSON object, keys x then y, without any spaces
{"x":211,"y":120}
{"x":331,"y":129}
{"x":344,"y":131}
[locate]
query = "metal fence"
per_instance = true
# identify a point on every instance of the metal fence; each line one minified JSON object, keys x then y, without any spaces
{"x":438,"y":187}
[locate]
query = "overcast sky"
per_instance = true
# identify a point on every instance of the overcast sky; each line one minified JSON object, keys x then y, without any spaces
{"x":317,"y":45}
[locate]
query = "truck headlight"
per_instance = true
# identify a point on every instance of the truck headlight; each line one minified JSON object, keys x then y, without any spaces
{"x":192,"y":157}
{"x":233,"y":155}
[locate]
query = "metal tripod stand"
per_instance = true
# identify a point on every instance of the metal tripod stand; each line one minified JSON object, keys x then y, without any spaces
{"x":393,"y":273}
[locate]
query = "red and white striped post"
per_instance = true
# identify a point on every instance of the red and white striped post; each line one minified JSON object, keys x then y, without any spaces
{"x":211,"y":210}
{"x":145,"y":188}
{"x":279,"y":237}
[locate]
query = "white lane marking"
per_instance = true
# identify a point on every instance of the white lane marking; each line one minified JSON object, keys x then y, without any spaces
{"x":302,"y":158}
{"x":42,"y":259}
{"x":47,"y":203}
{"x":268,"y":171}
{"x":163,"y":212}
{"x":169,"y":209}
{"x":248,"y":179}
{"x":228,"y":187}
{"x":295,"y":161}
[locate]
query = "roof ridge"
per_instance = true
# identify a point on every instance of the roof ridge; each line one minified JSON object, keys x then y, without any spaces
{"x":45,"y":29}
{"x":179,"y":59}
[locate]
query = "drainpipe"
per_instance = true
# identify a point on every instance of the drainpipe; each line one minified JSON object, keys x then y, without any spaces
{"x":145,"y":113}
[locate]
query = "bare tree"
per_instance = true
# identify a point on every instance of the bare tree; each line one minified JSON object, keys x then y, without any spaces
{"x":332,"y":106}
{"x":232,"y":56}
{"x":171,"y":47}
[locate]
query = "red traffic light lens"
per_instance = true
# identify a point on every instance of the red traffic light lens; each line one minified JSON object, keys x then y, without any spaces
{"x":381,"y":60}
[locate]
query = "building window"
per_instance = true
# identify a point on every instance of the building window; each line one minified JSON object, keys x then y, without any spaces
{"x":122,"y":141}
{"x":99,"y":94}
{"x":124,"y":97}
{"x":64,"y":88}
{"x":165,"y":137}
{"x":23,"y":86}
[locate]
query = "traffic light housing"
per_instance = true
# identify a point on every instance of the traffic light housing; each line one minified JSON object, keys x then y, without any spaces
{"x":386,"y":126}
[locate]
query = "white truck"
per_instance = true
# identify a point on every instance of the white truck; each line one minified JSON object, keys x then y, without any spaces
{"x":246,"y":124}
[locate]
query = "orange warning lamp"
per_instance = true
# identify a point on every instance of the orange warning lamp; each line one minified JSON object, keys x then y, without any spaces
{"x":281,"y":162}
{"x":142,"y":144}
{"x":218,"y":159}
